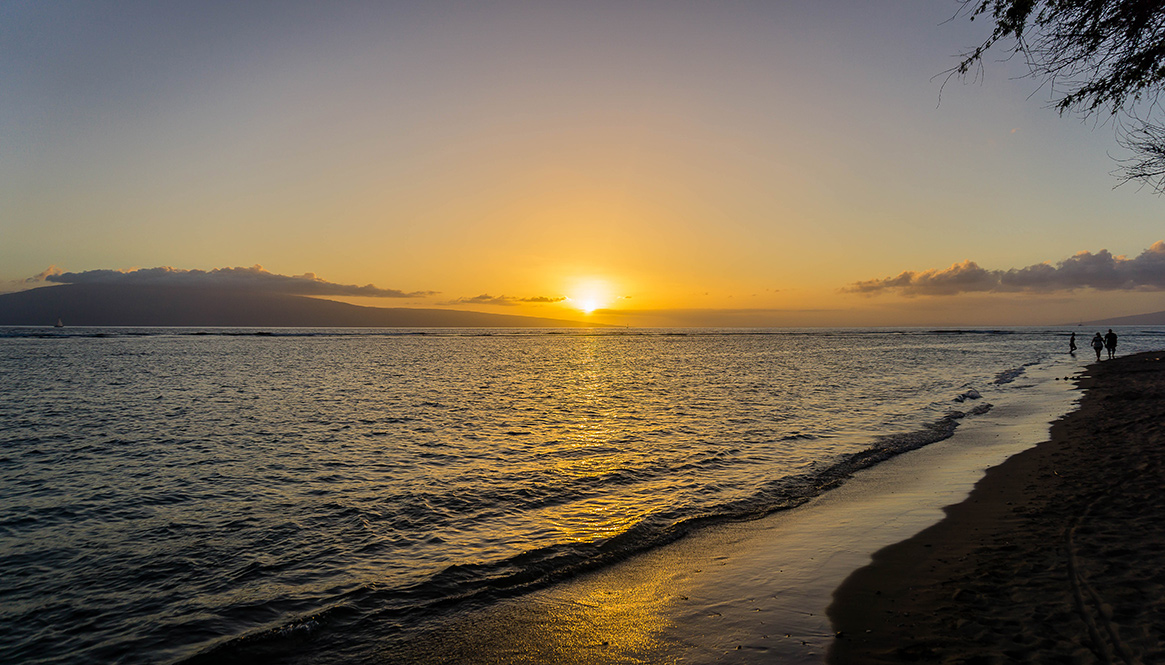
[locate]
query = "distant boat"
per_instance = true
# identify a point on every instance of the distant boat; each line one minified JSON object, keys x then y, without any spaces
{"x":60,"y":324}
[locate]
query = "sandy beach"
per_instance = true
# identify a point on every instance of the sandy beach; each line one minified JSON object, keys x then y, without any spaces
{"x":1055,"y":557}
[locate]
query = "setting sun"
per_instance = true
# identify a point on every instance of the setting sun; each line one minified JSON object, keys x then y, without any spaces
{"x":590,"y":294}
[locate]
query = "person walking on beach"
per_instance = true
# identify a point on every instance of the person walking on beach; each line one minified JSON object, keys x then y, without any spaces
{"x":1072,"y":344}
{"x":1097,"y":345}
{"x":1110,"y":343}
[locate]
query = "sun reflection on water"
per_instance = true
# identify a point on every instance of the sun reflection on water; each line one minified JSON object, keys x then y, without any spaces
{"x":615,"y":615}
{"x":586,"y":522}
{"x":598,"y":448}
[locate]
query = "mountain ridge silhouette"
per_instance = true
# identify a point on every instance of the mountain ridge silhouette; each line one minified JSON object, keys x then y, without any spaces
{"x":138,"y":305}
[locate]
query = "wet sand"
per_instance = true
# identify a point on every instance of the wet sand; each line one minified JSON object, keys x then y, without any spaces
{"x":750,"y":592}
{"x":1058,"y":555}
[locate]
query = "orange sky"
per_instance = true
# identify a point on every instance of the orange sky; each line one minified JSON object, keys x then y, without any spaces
{"x":661,"y":163}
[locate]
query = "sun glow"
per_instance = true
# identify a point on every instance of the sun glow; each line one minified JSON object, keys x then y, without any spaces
{"x":590,"y":294}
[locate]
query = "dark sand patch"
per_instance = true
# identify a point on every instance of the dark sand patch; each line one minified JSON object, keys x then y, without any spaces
{"x":1057,"y":556}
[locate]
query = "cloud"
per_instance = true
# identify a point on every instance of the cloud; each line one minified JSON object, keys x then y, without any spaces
{"x":959,"y":278}
{"x":1085,"y":270}
{"x":14,"y":285}
{"x":543,"y":299}
{"x":505,"y":301}
{"x":253,"y":279}
{"x":51,"y":271}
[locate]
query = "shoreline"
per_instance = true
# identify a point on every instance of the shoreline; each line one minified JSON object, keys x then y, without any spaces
{"x":1055,"y":555}
{"x":747,"y":592}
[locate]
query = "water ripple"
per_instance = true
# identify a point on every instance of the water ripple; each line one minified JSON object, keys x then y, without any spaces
{"x":165,"y":494}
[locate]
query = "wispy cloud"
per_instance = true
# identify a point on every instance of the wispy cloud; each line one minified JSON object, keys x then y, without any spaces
{"x":51,"y":271}
{"x":253,"y":279}
{"x":543,"y":299}
{"x":505,"y":301}
{"x":1085,"y":270}
{"x":12,"y":285}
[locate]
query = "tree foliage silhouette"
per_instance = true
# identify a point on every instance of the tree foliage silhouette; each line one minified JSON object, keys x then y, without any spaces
{"x":1097,"y":57}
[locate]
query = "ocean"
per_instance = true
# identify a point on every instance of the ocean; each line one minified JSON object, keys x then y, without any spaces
{"x":317,"y":495}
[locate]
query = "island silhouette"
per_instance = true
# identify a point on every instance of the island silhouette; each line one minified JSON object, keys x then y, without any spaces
{"x":142,"y":305}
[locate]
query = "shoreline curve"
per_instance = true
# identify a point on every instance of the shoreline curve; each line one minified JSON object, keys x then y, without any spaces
{"x":1055,"y":556}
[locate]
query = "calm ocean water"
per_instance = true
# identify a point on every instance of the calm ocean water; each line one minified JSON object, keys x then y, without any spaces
{"x":219,"y":495}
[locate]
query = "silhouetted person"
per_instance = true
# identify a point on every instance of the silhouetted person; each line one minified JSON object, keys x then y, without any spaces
{"x":1098,"y":345}
{"x":1072,"y":344}
{"x":1110,"y":343}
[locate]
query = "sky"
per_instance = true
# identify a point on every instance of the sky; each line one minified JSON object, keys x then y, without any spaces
{"x":635,"y":163}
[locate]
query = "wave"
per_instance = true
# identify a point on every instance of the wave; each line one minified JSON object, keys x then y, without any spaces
{"x":970,"y":393}
{"x":465,"y":586}
{"x":972,"y":331}
{"x":1009,"y":375}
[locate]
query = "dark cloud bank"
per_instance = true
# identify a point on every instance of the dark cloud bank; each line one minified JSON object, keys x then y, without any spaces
{"x":1101,"y":271}
{"x":250,"y":280}
{"x":258,"y":280}
{"x":506,"y":301}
